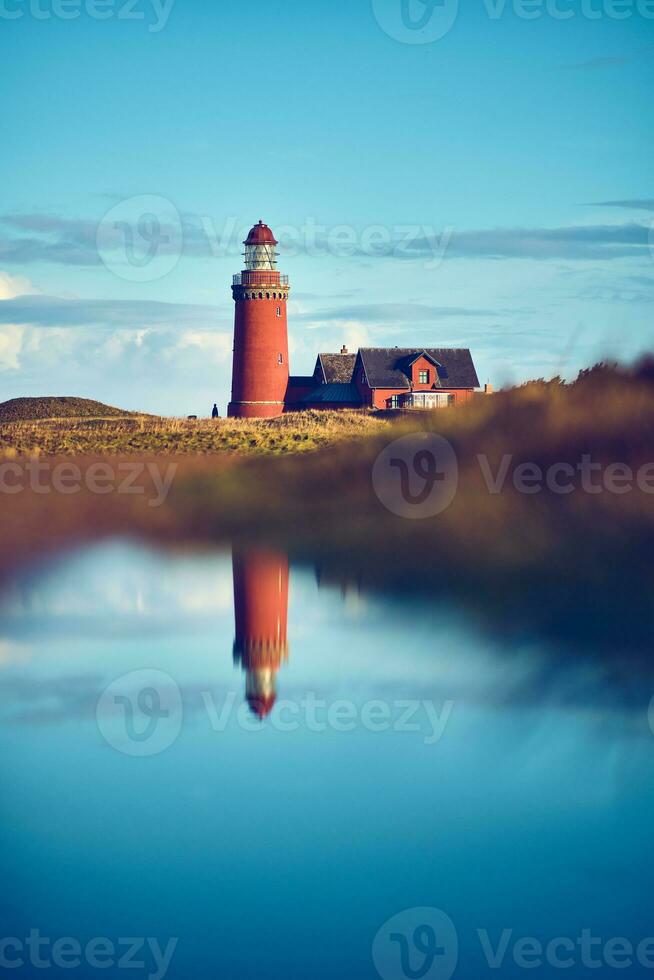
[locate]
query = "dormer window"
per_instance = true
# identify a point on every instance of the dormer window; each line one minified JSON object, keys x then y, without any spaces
{"x":423,"y":377}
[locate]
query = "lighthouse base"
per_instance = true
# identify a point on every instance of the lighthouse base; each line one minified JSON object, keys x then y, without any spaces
{"x":255,"y":410}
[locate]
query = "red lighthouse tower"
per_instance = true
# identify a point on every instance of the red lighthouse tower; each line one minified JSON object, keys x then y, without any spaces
{"x":260,"y":371}
{"x":260,"y":611}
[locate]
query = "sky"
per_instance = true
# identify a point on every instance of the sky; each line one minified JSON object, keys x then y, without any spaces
{"x":438,"y":173}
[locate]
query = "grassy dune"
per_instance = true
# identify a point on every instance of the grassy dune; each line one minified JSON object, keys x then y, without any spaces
{"x":297,"y":432}
{"x":30,"y":409}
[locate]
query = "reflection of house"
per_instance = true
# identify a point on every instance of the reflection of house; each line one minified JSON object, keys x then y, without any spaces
{"x":386,"y":378}
{"x":347,"y":582}
{"x":260,"y":612}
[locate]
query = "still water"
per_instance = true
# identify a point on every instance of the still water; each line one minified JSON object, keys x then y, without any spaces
{"x":214,"y":766}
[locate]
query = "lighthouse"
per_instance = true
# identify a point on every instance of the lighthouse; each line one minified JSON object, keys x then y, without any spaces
{"x":260,"y":366}
{"x":260,"y":612}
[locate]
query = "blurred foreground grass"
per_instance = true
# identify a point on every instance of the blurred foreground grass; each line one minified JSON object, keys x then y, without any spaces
{"x":577,"y":567}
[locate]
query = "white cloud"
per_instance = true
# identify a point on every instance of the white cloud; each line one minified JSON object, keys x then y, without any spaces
{"x":218,"y":346}
{"x":13,"y":335}
{"x":356,"y":335}
{"x":11,"y":345}
{"x":12,"y":286}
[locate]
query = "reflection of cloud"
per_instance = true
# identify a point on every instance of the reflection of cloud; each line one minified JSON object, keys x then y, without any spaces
{"x":13,"y":653}
{"x":493,"y":683}
{"x":49,"y":700}
{"x":117,"y":591}
{"x":29,"y":700}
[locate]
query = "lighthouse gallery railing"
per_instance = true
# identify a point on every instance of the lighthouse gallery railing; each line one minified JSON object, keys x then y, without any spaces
{"x":260,"y":279}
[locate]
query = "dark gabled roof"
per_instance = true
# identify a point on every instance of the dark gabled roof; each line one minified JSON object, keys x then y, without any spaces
{"x":388,"y":367}
{"x":301,"y":381}
{"x":416,"y":355}
{"x":337,"y":394}
{"x":337,"y":368}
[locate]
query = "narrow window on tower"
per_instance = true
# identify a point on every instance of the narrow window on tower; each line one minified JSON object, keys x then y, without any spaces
{"x":279,"y":311}
{"x":280,"y":358}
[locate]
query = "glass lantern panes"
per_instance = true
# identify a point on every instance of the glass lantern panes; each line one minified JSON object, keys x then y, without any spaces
{"x":260,"y":258}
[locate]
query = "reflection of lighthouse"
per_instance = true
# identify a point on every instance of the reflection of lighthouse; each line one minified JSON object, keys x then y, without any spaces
{"x":260,"y":610}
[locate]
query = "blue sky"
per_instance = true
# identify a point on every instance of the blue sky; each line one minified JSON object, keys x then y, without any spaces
{"x":504,"y":170}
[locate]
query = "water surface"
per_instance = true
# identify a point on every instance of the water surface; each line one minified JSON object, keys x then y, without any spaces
{"x":328,"y":760}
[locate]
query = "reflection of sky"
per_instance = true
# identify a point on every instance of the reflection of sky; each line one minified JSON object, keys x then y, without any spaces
{"x":117,"y":607}
{"x":530,"y":813}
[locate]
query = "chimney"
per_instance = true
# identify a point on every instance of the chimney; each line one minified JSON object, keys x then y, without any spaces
{"x":344,"y":350}
{"x":489,"y":390}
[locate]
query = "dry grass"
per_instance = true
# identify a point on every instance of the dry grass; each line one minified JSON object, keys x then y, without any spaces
{"x":292,"y":433}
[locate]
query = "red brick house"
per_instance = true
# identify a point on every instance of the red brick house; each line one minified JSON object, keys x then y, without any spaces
{"x":386,"y":378}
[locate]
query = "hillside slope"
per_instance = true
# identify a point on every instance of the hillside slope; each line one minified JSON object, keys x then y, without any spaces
{"x":33,"y":409}
{"x":293,"y":433}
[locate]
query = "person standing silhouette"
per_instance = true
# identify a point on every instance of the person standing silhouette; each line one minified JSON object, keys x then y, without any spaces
{"x":214,"y":413}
